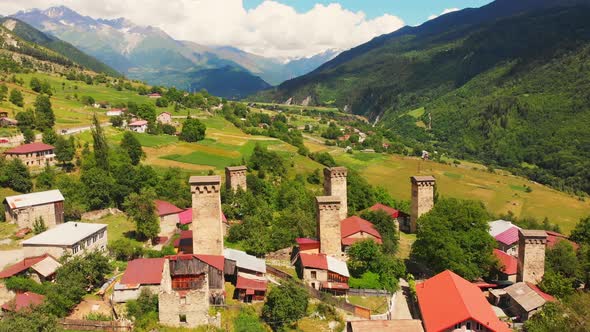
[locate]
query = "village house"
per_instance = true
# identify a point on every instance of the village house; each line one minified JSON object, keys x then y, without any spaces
{"x":72,"y":238}
{"x":190,"y":284}
{"x":33,"y":154}
{"x":23,"y":301}
{"x":23,"y":210}
{"x":116,"y":112}
{"x":323,"y":272}
{"x":142,"y":273}
{"x":402,"y":219}
{"x":247,"y":273}
{"x":395,"y":325}
{"x":448,"y":302}
{"x":169,"y":216}
{"x":355,"y":229}
{"x":7,"y":122}
{"x":154,"y":95}
{"x":508,"y":266}
{"x":40,"y":268}
{"x":138,"y":126}
{"x":521,"y":300}
{"x":164,"y":118}
{"x":506,"y":235}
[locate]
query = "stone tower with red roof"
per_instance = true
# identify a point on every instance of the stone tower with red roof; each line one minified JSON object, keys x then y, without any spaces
{"x":422,"y":198}
{"x":207,"y":226}
{"x":335,"y":185}
{"x":235,"y":177}
{"x":531,"y":255}
{"x":328,"y":219}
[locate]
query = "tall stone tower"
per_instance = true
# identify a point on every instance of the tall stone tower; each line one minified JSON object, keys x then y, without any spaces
{"x":328,"y":218}
{"x":335,"y":185}
{"x":235,"y":176}
{"x":422,"y":198}
{"x":531,"y":255}
{"x":207,"y":226}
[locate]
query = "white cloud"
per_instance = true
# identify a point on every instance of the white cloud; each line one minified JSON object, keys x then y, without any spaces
{"x":446,"y":11}
{"x":271,"y":29}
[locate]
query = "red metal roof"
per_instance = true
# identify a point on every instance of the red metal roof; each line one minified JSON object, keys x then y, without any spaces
{"x":354,"y":224}
{"x":447,"y":299}
{"x":553,"y":238}
{"x":144,"y":271}
{"x":166,"y":208}
{"x":30,"y":148}
{"x":544,"y":295}
{"x":246,"y":283}
{"x":138,"y":123}
{"x":508,"y":237}
{"x":314,"y":261}
{"x":391,"y":211}
{"x":23,"y":301}
{"x":21,"y":266}
{"x":304,"y":240}
{"x":186,"y":217}
{"x":509,"y":263}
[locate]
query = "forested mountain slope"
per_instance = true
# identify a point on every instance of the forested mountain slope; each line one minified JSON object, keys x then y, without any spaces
{"x":511,"y":91}
{"x":32,"y":35}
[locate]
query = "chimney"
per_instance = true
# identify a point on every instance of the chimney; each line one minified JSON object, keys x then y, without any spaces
{"x":235,"y":176}
{"x":531,"y":255}
{"x":328,"y":219}
{"x":335,"y":185}
{"x":207,"y":226}
{"x":422,"y":198}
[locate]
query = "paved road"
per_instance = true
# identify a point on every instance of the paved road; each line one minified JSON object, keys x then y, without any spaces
{"x":77,"y":130}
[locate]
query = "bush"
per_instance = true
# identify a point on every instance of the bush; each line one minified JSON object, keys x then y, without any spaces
{"x":168,"y":129}
{"x":368,"y":280}
{"x":125,"y":249}
{"x":247,"y":321}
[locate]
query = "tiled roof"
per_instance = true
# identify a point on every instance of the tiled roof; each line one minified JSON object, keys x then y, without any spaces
{"x":355,"y":224}
{"x":144,"y":271}
{"x":447,"y":299}
{"x":166,"y":208}
{"x":508,"y":237}
{"x":23,"y":301}
{"x":30,"y":148}
{"x":509,"y":263}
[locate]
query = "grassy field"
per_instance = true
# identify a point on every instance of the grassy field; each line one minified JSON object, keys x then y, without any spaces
{"x":377,"y":304}
{"x":119,"y":226}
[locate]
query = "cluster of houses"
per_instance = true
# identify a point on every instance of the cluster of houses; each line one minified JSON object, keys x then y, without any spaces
{"x":139,"y":125}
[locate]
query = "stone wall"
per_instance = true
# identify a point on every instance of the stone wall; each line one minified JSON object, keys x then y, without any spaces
{"x":531,"y":255}
{"x":25,"y":217}
{"x":207,"y":225}
{"x":235,"y":177}
{"x":321,"y":275}
{"x":328,"y":219}
{"x":422,"y":198}
{"x":37,"y":159}
{"x":193,"y":307}
{"x":335,"y":185}
{"x":99,"y":214}
{"x":168,"y":224}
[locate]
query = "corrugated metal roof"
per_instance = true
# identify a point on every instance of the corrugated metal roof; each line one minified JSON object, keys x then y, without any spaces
{"x":144,"y":271}
{"x":508,"y":237}
{"x":245,"y":261}
{"x":47,"y":266}
{"x":499,"y":226}
{"x":32,"y":199}
{"x":337,"y":266}
{"x":509,"y":263}
{"x":525,"y":296}
{"x":65,"y":234}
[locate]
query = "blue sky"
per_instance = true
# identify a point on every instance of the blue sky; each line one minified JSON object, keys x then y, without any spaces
{"x":413,"y":12}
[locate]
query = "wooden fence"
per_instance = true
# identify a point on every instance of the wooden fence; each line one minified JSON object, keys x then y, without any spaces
{"x":89,"y":325}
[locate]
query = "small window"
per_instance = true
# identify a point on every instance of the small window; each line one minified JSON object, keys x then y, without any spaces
{"x":182,"y":318}
{"x":478,"y":327}
{"x":183,"y":300}
{"x":468,"y":325}
{"x":75,"y":249}
{"x":458,"y":325}
{"x":314,"y":275}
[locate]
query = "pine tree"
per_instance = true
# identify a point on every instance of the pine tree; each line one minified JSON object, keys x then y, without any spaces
{"x":133,"y":148}
{"x":101,"y":147}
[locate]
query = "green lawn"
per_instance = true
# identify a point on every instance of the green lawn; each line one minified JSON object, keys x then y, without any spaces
{"x":377,"y":304}
{"x":118,"y":226}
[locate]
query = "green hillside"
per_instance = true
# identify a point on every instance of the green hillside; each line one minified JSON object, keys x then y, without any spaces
{"x":30,"y":34}
{"x":497,"y":91}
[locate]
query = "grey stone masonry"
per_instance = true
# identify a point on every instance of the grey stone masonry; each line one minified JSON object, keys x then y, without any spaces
{"x":422,"y":198}
{"x":328,"y":219}
{"x":335,"y":185}
{"x":235,"y":177}
{"x":207,"y":225}
{"x":531,"y":255}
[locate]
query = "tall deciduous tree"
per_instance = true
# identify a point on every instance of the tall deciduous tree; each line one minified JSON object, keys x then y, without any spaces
{"x":193,"y":130}
{"x":581,"y":233}
{"x":101,"y":147}
{"x":44,"y":117}
{"x":49,"y":136}
{"x":285,"y":305}
{"x":16,"y":97}
{"x":19,"y":178}
{"x":142,"y":209}
{"x":385,"y":224}
{"x":454,"y":235}
{"x":131,"y":145}
{"x":64,"y":150}
{"x":98,"y":186}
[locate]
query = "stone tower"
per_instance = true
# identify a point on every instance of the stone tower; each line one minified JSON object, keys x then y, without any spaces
{"x":207,"y":226}
{"x":235,"y":176}
{"x":531,"y":255}
{"x":328,"y":218}
{"x":335,"y":185}
{"x":422,"y":198}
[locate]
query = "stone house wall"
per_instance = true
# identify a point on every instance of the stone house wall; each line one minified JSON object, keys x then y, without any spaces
{"x":422,"y":201}
{"x":328,"y":220}
{"x":25,"y":217}
{"x":335,"y":185}
{"x":321,"y":275}
{"x":207,"y":225}
{"x":35,"y":159}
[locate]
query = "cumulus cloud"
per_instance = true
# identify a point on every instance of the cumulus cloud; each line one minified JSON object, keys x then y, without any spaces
{"x":271,"y":29}
{"x":446,"y":11}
